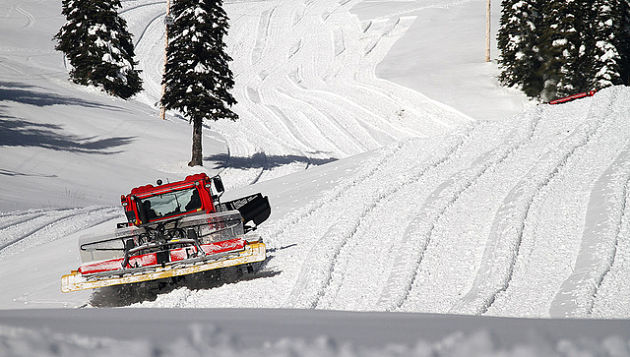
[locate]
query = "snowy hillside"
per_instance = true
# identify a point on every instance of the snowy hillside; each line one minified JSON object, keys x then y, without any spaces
{"x":274,"y":332}
{"x":402,"y":178}
{"x":523,"y":217}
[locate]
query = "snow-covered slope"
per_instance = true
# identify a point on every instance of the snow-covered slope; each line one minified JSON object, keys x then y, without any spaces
{"x":282,"y":332}
{"x":523,"y":217}
{"x":442,"y":55}
{"x":305,"y":83}
{"x":408,"y":204}
{"x":64,"y":145}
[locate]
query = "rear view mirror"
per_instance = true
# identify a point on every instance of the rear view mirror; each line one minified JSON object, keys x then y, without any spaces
{"x":218,"y":184}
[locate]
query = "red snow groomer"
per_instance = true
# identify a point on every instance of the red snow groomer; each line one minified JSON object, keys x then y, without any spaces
{"x":173,"y":230}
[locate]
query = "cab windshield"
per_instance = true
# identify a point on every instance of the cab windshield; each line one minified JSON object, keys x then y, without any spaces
{"x":171,"y":203}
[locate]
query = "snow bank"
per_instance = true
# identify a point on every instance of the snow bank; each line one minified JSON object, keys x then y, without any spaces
{"x":522,"y":217}
{"x":207,"y":340}
{"x":442,"y":55}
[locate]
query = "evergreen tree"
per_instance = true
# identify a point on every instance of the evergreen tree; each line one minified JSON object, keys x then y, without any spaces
{"x":96,"y":42}
{"x":608,"y":27}
{"x":567,"y":48}
{"x":623,"y":41}
{"x":197,"y":76}
{"x":518,"y":39}
{"x":572,"y":46}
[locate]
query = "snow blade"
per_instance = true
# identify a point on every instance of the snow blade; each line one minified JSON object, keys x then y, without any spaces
{"x":253,"y":252}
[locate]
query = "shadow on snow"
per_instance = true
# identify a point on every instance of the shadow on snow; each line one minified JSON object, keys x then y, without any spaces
{"x":20,"y":132}
{"x":263,"y":161}
{"x":25,"y":94}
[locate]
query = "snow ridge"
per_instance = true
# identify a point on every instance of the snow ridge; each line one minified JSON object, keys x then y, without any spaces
{"x":342,"y":230}
{"x":32,"y":229}
{"x":403,"y":279}
{"x":511,"y":223}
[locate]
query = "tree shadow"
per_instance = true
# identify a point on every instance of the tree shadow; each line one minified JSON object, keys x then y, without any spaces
{"x":125,"y":295}
{"x":17,"y":132}
{"x":16,"y":85}
{"x":262,"y":160}
{"x":25,"y":94}
{"x":12,"y":173}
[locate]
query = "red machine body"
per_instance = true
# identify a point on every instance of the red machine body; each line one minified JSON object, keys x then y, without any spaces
{"x":200,"y":183}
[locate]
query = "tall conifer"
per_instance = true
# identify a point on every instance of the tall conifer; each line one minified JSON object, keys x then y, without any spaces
{"x":197,"y":75}
{"x":518,"y":39}
{"x":623,"y":41}
{"x":608,"y":26}
{"x":575,"y":46}
{"x":98,"y":46}
{"x":565,"y":48}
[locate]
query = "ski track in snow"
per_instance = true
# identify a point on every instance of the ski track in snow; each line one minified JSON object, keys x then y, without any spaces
{"x":445,"y":248}
{"x":131,"y":8}
{"x":281,"y":232}
{"x":294,"y":218}
{"x":527,"y":217}
{"x":612,"y":294}
{"x":30,"y":229}
{"x":511,"y":234}
{"x":151,"y":23}
{"x":17,"y":219}
{"x":523,"y":268}
{"x":346,"y":280}
{"x":407,"y":277}
{"x":343,"y":230}
{"x":611,"y":256}
{"x":603,"y":236}
{"x":307,"y":77}
{"x":335,"y":97}
{"x":30,"y":20}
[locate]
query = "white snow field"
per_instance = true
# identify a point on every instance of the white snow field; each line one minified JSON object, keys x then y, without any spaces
{"x":403,"y":180}
{"x":282,"y":332}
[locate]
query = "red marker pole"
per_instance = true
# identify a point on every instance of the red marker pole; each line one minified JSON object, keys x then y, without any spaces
{"x":573,"y":97}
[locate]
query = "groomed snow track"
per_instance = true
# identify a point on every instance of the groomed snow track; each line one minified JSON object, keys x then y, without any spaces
{"x":499,"y":219}
{"x":528,"y":216}
{"x":305,"y":84}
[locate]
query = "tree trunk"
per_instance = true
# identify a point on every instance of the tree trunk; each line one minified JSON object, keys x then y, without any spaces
{"x":197,"y":156}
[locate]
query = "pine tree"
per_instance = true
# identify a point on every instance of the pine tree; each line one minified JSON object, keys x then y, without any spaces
{"x":566,"y":48}
{"x":518,"y":39}
{"x":197,"y":75}
{"x":96,"y":42}
{"x":623,"y":41}
{"x":607,"y":66}
{"x":580,"y":45}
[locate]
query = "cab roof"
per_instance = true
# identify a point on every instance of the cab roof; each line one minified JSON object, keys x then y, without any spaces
{"x":150,"y":190}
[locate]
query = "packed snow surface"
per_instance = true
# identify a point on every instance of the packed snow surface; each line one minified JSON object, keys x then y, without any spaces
{"x":522,"y":217}
{"x":285,"y":332}
{"x":402,"y":178}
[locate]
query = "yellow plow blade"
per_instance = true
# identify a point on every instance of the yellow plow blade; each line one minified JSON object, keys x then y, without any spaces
{"x":254,"y":252}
